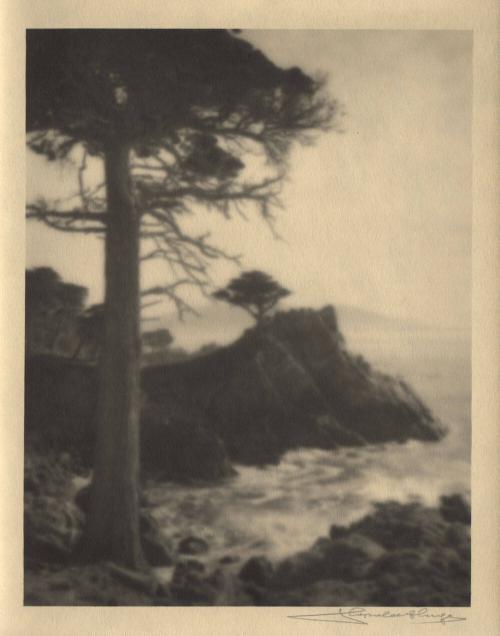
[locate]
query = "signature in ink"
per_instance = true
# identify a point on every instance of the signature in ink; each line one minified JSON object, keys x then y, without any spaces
{"x":359,"y":616}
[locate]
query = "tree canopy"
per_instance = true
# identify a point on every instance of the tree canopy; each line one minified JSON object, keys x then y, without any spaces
{"x":256,"y":292}
{"x":51,"y":309}
{"x":198,"y":109}
{"x":154,"y":87}
{"x":180,"y":118}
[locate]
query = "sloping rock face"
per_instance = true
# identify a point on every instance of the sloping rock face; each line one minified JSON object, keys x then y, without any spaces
{"x":286,"y":384}
{"x":291,"y":383}
{"x":60,"y":413}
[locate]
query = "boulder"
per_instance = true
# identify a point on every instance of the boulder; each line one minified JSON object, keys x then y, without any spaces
{"x":51,"y":528}
{"x":401,"y":526}
{"x":48,"y":547}
{"x":229,"y":559}
{"x":458,"y":537}
{"x":347,"y":559}
{"x":192,"y":545}
{"x":455,"y":508}
{"x":143,"y":582}
{"x":190,"y":585}
{"x":257,"y":570}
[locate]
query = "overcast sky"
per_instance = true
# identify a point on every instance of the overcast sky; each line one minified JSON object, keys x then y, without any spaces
{"x":379,"y":216}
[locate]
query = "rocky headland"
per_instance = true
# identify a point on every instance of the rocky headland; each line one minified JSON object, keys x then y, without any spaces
{"x":288,"y":383}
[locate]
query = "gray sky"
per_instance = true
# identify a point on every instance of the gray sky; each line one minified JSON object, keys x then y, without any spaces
{"x":377,"y":217}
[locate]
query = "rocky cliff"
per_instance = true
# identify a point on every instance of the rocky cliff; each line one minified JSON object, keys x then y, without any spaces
{"x":288,"y":383}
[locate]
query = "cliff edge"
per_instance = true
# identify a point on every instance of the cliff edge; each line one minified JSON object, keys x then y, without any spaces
{"x":287,"y":383}
{"x":290,"y":382}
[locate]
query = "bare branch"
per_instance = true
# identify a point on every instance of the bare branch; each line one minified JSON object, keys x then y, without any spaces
{"x":151,"y":304}
{"x":170,"y":292}
{"x":40,"y":211}
{"x":165,"y":289}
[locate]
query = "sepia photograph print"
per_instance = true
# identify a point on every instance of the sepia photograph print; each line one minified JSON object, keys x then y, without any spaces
{"x":248,"y":319}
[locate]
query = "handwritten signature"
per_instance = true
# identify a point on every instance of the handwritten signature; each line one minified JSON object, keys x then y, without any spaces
{"x":359,"y":616}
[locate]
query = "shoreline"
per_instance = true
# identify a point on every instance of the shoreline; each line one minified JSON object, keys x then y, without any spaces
{"x":356,"y":564}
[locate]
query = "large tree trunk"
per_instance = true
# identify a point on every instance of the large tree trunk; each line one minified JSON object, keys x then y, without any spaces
{"x":113,"y":523}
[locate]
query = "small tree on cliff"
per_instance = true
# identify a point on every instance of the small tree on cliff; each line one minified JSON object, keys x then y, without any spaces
{"x":173,"y":115}
{"x":256,"y":292}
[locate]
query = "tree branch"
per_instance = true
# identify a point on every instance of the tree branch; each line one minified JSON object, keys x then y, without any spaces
{"x":41,"y":212}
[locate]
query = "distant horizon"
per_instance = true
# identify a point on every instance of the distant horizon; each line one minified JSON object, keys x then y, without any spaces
{"x":195,"y":331}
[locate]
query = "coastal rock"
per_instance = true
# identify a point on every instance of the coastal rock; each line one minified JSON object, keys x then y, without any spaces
{"x":190,"y":585}
{"x":143,"y":582}
{"x":403,"y":526}
{"x":192,"y":545}
{"x":45,"y":547}
{"x":421,"y":577}
{"x":229,"y":559}
{"x":181,"y":449}
{"x":291,"y":383}
{"x":52,"y":523}
{"x":455,"y":508}
{"x":400,"y":555}
{"x":60,"y":405}
{"x":287,"y":383}
{"x":346,"y":559}
{"x":51,"y":528}
{"x":257,"y":570}
{"x":458,"y":537}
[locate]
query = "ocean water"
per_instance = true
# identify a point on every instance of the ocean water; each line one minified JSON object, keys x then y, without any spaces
{"x":278,"y":510}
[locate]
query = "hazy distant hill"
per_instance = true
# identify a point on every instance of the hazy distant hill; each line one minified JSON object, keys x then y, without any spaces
{"x":217,"y":323}
{"x":221,"y":323}
{"x":357,"y":319}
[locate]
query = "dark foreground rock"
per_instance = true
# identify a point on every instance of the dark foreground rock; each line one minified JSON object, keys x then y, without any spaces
{"x":192,"y":545}
{"x":286,"y":384}
{"x":258,"y":570}
{"x":181,"y":448}
{"x":60,"y":408}
{"x":52,"y":521}
{"x":401,"y":555}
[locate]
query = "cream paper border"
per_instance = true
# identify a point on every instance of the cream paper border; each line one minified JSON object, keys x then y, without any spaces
{"x":482,"y":17}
